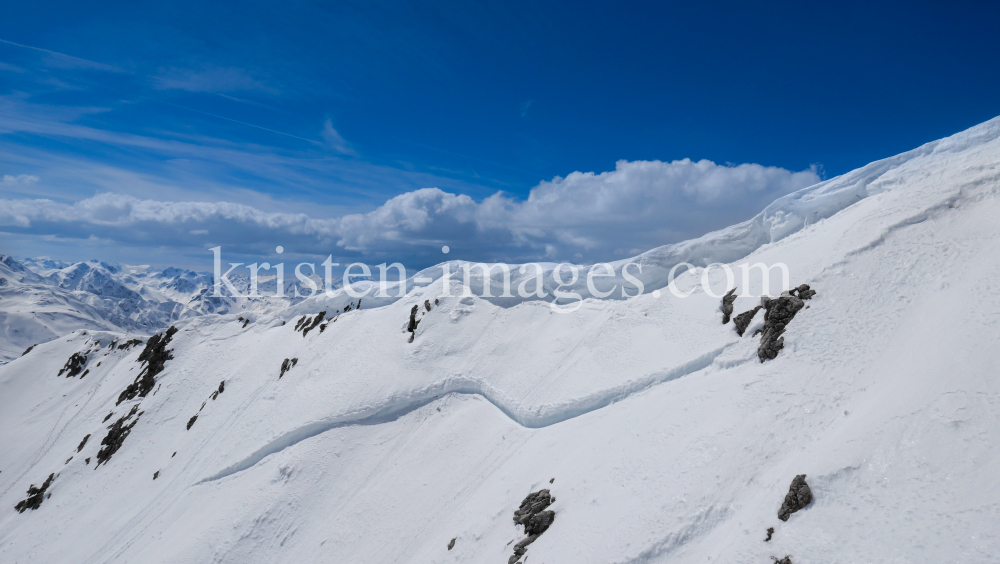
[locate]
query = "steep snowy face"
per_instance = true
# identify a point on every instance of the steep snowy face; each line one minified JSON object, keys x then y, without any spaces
{"x":629,"y":431}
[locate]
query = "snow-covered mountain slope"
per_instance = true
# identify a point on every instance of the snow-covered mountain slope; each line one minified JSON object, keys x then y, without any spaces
{"x":656,"y":428}
{"x":45,"y":299}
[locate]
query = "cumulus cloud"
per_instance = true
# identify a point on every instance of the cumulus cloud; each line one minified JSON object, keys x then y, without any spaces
{"x":582,"y":217}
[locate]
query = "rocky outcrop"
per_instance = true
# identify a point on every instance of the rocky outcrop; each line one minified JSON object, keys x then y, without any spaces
{"x":287,"y":365}
{"x":778,"y":313}
{"x":117,"y":433}
{"x":727,"y":305}
{"x":155,"y":356}
{"x":35,"y":496}
{"x":412,"y":325}
{"x":83,"y":443}
{"x":306,"y":324}
{"x":535,"y":519}
{"x":802,"y":292}
{"x":742,"y":321}
{"x":799,"y":495}
{"x":74,"y":365}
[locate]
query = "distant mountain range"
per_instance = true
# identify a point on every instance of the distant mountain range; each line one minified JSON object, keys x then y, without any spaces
{"x":43,"y":299}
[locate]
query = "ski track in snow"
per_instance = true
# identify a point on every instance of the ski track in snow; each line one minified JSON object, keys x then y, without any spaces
{"x":393,"y":410}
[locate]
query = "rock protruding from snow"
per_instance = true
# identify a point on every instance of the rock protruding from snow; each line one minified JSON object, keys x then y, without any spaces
{"x":74,"y":365}
{"x":803,"y":292}
{"x":35,"y":496}
{"x":727,"y":305}
{"x":535,"y":519}
{"x":412,"y":325}
{"x":779,"y":312}
{"x":799,"y":495}
{"x":306,"y":325}
{"x":117,"y":433}
{"x":155,"y":355}
{"x":742,"y":321}
{"x":286,"y":365}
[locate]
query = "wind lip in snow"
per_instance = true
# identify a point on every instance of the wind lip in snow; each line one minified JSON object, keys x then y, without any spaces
{"x":543,"y":416}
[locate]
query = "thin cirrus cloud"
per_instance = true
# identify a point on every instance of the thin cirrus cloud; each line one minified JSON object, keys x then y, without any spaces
{"x":210,"y":80}
{"x":582,"y":217}
{"x":64,"y":61}
{"x":334,"y":139}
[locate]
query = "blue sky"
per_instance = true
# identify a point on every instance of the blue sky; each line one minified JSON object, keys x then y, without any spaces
{"x":155,"y":131}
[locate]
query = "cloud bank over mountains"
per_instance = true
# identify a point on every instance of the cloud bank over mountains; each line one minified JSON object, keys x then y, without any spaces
{"x":582,"y":217}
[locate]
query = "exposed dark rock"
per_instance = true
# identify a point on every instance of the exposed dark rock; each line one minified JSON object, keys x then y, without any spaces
{"x":117,"y":433}
{"x":67,"y":460}
{"x":778,"y":313}
{"x":300,"y":322}
{"x":770,"y":532}
{"x":35,"y":496}
{"x":156,"y":474}
{"x":129,"y":344}
{"x":74,"y":365}
{"x":191,"y":421}
{"x":742,"y":321}
{"x":427,"y":304}
{"x":155,"y":355}
{"x":222,"y":386}
{"x":785,"y":560}
{"x":245,"y":323}
{"x":727,"y":305}
{"x":532,"y":515}
{"x":174,"y":454}
{"x":803,"y":292}
{"x":85,"y":372}
{"x":82,"y":443}
{"x":86,"y":460}
{"x":287,"y":365}
{"x":315,"y":322}
{"x":412,"y":325}
{"x":28,"y":350}
{"x":435,"y":301}
{"x":108,"y":416}
{"x":799,"y":495}
{"x":451,"y":544}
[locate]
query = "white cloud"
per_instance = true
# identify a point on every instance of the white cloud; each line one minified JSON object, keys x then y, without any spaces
{"x":19,"y":179}
{"x":64,"y":61}
{"x":584,"y":216}
{"x":210,"y":79}
{"x":334,"y":140}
